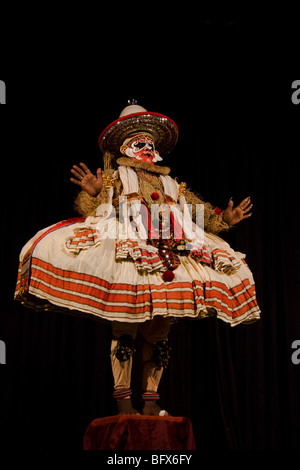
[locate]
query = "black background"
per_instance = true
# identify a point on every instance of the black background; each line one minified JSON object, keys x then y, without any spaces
{"x":227,"y":84}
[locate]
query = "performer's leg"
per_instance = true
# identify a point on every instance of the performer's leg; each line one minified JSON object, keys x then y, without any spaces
{"x":155,"y":359}
{"x":123,"y":335}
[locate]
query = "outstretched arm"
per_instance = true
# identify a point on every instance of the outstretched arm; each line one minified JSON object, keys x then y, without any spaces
{"x":84,"y":178}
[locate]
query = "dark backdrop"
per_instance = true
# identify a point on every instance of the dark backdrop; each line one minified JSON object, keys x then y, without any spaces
{"x":238,"y":137}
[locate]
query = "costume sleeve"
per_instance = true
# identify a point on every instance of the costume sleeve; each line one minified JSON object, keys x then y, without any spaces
{"x":86,"y":205}
{"x":213,"y":222}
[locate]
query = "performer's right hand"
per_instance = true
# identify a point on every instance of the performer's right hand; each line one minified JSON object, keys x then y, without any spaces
{"x":84,"y":178}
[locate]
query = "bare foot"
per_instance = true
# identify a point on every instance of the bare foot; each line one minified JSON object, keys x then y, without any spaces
{"x":125,"y":407}
{"x":152,"y":409}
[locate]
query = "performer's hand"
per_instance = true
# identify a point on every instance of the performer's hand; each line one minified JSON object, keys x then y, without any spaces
{"x":90,"y":183}
{"x":233,"y":215}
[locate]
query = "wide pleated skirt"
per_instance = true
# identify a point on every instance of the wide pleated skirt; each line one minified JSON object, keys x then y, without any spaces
{"x":91,"y":281}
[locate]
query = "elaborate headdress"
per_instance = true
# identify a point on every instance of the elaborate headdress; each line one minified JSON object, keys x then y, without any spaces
{"x":135,"y":119}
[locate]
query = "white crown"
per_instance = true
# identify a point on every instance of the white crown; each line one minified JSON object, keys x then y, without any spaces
{"x":132,"y":109}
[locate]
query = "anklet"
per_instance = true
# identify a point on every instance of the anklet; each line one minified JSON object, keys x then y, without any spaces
{"x":120,"y":394}
{"x":150,"y":396}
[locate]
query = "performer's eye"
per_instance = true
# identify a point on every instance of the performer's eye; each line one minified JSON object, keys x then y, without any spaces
{"x":140,"y":145}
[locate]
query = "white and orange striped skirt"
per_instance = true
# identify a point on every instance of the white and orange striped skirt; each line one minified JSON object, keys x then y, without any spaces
{"x":71,"y":268}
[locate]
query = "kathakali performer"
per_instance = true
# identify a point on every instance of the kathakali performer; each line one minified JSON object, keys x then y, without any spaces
{"x":143,"y":253}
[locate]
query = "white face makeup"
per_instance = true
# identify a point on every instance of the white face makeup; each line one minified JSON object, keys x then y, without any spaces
{"x":142,"y":148}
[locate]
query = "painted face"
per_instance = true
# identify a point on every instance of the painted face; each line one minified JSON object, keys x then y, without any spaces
{"x":142,"y":148}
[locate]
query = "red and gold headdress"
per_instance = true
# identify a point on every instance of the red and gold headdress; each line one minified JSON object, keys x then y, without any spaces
{"x":136,"y":119}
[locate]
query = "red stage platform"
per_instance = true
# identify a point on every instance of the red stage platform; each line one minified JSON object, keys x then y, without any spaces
{"x":139,"y":432}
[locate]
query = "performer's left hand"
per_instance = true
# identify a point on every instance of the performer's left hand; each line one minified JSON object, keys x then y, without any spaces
{"x":233,"y":215}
